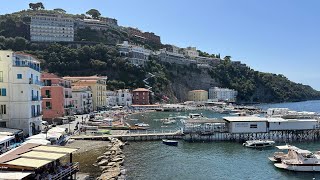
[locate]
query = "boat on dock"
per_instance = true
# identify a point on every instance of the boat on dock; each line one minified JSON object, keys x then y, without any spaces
{"x":170,"y":142}
{"x":259,"y":143}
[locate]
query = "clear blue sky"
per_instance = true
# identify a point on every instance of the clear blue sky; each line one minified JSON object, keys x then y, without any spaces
{"x":270,"y":36}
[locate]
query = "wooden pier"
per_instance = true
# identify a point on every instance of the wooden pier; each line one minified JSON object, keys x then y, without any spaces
{"x":135,"y":136}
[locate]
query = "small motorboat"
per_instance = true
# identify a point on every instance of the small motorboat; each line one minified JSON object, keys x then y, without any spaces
{"x":278,"y":156}
{"x":170,"y":142}
{"x":259,"y":143}
{"x":142,"y":125}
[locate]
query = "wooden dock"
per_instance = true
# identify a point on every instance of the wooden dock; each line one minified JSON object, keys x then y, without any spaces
{"x":135,"y":136}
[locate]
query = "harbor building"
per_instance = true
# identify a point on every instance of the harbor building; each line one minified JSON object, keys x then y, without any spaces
{"x":82,"y":99}
{"x":140,"y":96}
{"x":51,"y":28}
{"x":56,"y":96}
{"x":124,"y":97}
{"x":246,"y":124}
{"x":20,"y":92}
{"x":98,"y":86}
{"x":198,"y":95}
{"x":136,"y":55}
{"x":223,"y":94}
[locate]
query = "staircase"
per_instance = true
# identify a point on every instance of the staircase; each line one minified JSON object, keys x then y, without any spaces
{"x":146,"y":83}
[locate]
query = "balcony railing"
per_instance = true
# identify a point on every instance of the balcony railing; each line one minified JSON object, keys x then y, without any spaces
{"x":35,"y":82}
{"x":36,"y":114}
{"x":71,"y":169}
{"x":69,"y":106}
{"x":68,"y":96}
{"x":46,"y":96}
{"x":35,"y":98}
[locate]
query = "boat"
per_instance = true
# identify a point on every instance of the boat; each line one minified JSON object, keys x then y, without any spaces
{"x":142,"y":125}
{"x":300,"y":160}
{"x":195,"y":115}
{"x":259,"y":143}
{"x":170,"y":142}
{"x":278,"y":156}
{"x":168,"y":121}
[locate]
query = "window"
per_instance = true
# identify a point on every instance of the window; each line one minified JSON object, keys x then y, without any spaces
{"x":3,"y":109}
{"x":48,"y":105}
{"x":19,"y":76}
{"x":3,"y":92}
{"x":1,"y":76}
{"x":253,"y":126}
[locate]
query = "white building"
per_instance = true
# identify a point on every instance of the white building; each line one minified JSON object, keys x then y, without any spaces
{"x":191,"y":52}
{"x":124,"y":97}
{"x":82,"y":99}
{"x":51,"y":28}
{"x":137,"y":55}
{"x":223,"y":94}
{"x":20,"y":92}
{"x":280,"y":124}
{"x":246,"y":124}
{"x":111,"y":99}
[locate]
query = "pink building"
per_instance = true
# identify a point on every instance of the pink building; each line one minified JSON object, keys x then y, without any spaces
{"x":56,"y":96}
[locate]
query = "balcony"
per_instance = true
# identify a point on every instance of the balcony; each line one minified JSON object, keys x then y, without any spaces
{"x":69,"y":106}
{"x":46,"y":96}
{"x":35,"y":82}
{"x":36,"y":114}
{"x":68,"y":96}
{"x":35,"y":98}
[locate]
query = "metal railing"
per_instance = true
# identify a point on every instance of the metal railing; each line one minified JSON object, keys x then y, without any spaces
{"x":73,"y":167}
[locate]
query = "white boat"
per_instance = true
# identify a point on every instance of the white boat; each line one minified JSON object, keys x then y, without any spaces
{"x":169,"y":121}
{"x":142,"y":125}
{"x":195,"y":115}
{"x":259,"y":143}
{"x":300,"y":160}
{"x":278,"y":156}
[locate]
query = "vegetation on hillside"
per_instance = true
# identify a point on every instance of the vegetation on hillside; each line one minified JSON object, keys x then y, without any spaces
{"x":255,"y":86}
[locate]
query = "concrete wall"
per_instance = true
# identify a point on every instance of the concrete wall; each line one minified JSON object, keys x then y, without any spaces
{"x":296,"y":125}
{"x":244,"y":127}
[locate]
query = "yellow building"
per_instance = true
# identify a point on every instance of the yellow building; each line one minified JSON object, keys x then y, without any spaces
{"x":198,"y":95}
{"x":98,"y":85}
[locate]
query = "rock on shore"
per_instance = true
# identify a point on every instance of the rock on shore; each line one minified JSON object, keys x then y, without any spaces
{"x":111,"y":162}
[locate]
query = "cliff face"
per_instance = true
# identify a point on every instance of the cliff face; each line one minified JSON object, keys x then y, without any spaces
{"x":184,"y":80}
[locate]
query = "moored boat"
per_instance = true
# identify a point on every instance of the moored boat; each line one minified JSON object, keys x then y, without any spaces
{"x":278,"y":156}
{"x":259,"y":143}
{"x":170,"y":142}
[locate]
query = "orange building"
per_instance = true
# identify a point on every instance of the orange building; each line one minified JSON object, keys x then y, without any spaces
{"x":56,"y":96}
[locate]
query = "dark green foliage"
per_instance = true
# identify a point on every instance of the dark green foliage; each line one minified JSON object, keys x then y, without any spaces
{"x":95,"y":14}
{"x":254,"y":86}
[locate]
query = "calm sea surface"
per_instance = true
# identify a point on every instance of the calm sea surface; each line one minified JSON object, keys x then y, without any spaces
{"x":216,"y":160}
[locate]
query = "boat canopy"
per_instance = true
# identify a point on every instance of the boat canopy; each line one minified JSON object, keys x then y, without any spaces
{"x":286,"y":147}
{"x":4,"y":139}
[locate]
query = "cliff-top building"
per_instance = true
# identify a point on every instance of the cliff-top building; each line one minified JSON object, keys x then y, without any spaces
{"x":20,"y":92}
{"x":136,"y":55}
{"x":51,"y":28}
{"x":146,"y":36}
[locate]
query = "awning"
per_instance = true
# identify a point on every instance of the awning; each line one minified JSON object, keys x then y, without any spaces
{"x":54,"y":149}
{"x":42,"y":155}
{"x":27,"y":162}
{"x":38,"y":141}
{"x":12,"y":175}
{"x":4,"y":139}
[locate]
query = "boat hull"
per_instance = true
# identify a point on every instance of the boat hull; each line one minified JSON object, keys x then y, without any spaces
{"x":300,"y":167}
{"x":170,"y":142}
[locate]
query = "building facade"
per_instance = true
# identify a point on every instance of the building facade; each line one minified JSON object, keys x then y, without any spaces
{"x":191,"y":52}
{"x":51,"y":28}
{"x":136,"y":55}
{"x":223,"y":94}
{"x":124,"y":97}
{"x":82,"y":99}
{"x":95,"y":24}
{"x":20,"y":92}
{"x":98,"y":86}
{"x":198,"y":95}
{"x":140,"y":96}
{"x":111,"y":98}
{"x":147,"y":36}
{"x":174,"y":57}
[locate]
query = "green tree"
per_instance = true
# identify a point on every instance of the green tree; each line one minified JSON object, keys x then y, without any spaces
{"x":95,"y":14}
{"x":59,"y":10}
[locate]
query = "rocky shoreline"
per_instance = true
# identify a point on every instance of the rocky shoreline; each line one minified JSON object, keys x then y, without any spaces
{"x":111,"y":162}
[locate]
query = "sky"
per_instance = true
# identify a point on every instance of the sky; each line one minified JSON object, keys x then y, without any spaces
{"x":277,"y":36}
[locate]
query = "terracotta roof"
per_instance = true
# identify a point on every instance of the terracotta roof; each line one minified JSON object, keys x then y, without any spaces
{"x":85,"y":77}
{"x":13,"y":154}
{"x":140,"y":89}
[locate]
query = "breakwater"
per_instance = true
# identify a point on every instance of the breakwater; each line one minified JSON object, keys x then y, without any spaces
{"x":111,"y":162}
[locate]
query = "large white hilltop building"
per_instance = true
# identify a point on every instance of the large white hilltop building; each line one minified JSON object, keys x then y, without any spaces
{"x":20,"y":92}
{"x":51,"y":28}
{"x":223,"y":94}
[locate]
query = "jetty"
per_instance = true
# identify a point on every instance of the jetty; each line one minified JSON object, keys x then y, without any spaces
{"x":145,"y":135}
